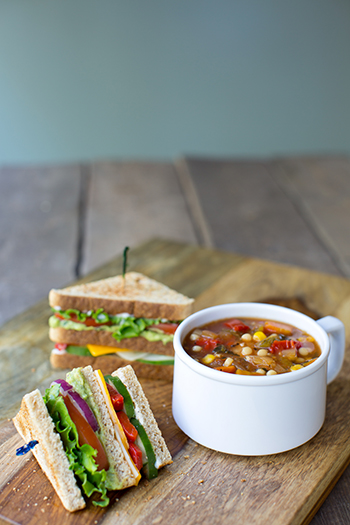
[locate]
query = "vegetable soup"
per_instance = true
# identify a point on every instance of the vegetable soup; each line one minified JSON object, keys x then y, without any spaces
{"x":251,"y":346}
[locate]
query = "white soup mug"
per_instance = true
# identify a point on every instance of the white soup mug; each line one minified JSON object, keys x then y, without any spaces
{"x":251,"y":415}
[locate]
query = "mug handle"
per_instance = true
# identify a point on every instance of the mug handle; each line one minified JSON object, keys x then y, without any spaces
{"x":336,"y":332}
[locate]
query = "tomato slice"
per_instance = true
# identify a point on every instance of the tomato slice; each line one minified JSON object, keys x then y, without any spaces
{"x":86,"y":434}
{"x":59,"y":316}
{"x":116,"y":398}
{"x":237,"y":325}
{"x":167,"y":328}
{"x":136,"y":455}
{"x":60,"y":346}
{"x":129,"y":429}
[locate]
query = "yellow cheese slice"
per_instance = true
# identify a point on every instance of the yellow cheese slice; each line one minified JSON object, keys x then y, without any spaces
{"x":119,"y":429}
{"x":97,"y":350}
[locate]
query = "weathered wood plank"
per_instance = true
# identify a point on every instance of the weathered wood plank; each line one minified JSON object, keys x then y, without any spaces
{"x":38,"y":234}
{"x":247,"y":212}
{"x":320,"y":190}
{"x":335,"y":509}
{"x":129,"y":203}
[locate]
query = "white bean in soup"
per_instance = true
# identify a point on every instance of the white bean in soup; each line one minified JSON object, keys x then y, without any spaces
{"x":249,"y":346}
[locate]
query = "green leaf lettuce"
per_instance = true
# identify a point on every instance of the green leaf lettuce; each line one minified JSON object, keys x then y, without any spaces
{"x":81,"y":458}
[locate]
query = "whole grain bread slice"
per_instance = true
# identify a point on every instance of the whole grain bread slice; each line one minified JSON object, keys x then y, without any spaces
{"x":135,"y":294}
{"x":144,"y":414}
{"x":33,"y":422}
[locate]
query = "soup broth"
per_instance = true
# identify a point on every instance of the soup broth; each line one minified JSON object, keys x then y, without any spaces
{"x":247,"y":346}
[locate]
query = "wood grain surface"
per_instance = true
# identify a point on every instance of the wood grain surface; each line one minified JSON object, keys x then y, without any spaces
{"x":289,"y":210}
{"x":201,"y":485}
{"x":128,"y":203}
{"x":38,"y":234}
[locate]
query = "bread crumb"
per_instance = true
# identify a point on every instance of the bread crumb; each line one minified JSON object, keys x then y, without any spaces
{"x":187,"y":457}
{"x":243,"y":480}
{"x":200,"y":481}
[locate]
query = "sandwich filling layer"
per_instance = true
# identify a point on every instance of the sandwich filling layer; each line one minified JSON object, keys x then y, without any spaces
{"x":122,"y":472}
{"x":124,"y":353}
{"x":81,"y":457}
{"x":121,"y":326}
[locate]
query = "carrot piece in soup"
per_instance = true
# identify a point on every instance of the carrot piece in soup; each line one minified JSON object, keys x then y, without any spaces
{"x":278,"y":328}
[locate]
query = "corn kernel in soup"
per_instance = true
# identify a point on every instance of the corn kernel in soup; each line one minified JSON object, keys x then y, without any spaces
{"x":248,"y":346}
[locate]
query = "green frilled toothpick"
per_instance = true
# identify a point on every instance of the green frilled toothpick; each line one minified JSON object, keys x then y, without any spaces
{"x":125,"y":262}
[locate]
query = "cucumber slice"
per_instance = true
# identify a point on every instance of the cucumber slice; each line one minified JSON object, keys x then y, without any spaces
{"x":78,"y":350}
{"x":128,"y":402}
{"x":150,"y":469}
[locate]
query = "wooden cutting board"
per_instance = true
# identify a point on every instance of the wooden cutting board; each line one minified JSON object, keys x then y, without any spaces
{"x":201,"y":486}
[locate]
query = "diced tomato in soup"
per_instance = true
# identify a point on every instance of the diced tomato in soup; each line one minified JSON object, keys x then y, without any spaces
{"x":249,"y":346}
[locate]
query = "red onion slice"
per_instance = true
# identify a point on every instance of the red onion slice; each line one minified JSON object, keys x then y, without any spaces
{"x":65,"y":387}
{"x":78,"y":402}
{"x":84,"y":409}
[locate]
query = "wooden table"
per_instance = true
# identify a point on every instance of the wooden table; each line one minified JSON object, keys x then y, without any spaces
{"x":61,"y":222}
{"x":201,"y":485}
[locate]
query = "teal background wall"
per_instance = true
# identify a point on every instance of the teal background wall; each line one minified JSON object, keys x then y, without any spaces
{"x":155,"y":79}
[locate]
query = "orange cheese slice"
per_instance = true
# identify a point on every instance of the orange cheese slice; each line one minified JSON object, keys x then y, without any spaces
{"x":119,"y":429}
{"x":97,"y":350}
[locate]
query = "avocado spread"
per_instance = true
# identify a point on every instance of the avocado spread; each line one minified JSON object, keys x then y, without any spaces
{"x":126,"y":328}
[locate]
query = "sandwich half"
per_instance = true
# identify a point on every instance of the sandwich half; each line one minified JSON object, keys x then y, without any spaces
{"x":117,"y":321}
{"x":84,"y":440}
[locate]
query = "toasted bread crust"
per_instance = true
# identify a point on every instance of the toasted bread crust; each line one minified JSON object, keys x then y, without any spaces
{"x":109,"y":363}
{"x":100,"y":337}
{"x":34,"y":422}
{"x":137,"y":295}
